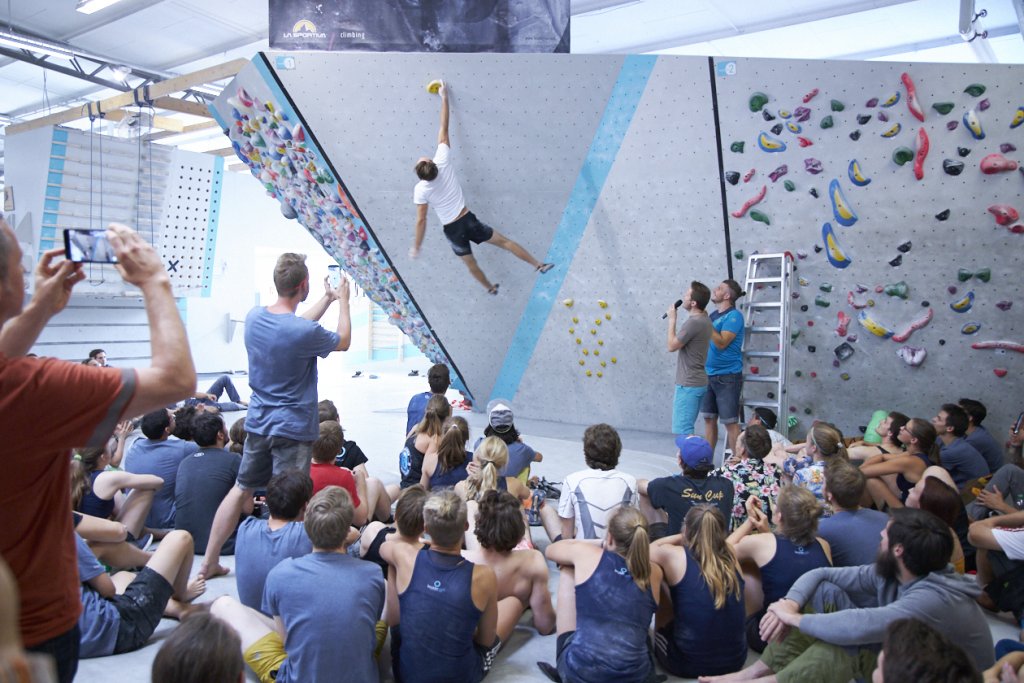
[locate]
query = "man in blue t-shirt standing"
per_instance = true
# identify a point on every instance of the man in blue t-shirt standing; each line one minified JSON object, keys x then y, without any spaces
{"x":724,"y":366}
{"x":282,"y":422}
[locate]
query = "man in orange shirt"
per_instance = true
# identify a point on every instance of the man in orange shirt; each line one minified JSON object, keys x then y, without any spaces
{"x":84,"y":405}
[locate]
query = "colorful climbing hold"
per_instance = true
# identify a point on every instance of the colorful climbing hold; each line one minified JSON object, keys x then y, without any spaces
{"x":963,"y":151}
{"x":737,"y":147}
{"x":833,"y":251}
{"x":836,"y":105}
{"x":856,"y":176}
{"x":1001,"y":345}
{"x":804,"y":142}
{"x":964,"y":304}
{"x":586,"y":353}
{"x":975,"y":89}
{"x":911,"y":327}
{"x":821,"y":301}
{"x":811,"y":95}
{"x":614,"y":359}
{"x":898,"y":289}
{"x":844,"y":376}
{"x":943,"y":107}
{"x":567,"y":303}
{"x":804,"y":308}
{"x":738,"y":254}
{"x":862,"y":119}
{"x":785,"y":113}
{"x":757,"y":101}
{"x":855,"y":135}
{"x":844,"y":323}
{"x":883,"y":117}
{"x":827,"y":122}
{"x":985,"y":274}
{"x":984,"y":104}
{"x":973,"y":124}
{"x":997,"y":163}
{"x":572,"y":330}
{"x":872,"y":326}
{"x":789,"y":185}
{"x":921,"y":153}
{"x":801,"y":114}
{"x":760,"y":217}
{"x":942,"y":215}
{"x":812,"y":166}
{"x":794,"y":127}
{"x":575,"y":319}
{"x":778,"y":172}
{"x":749,"y":174}
{"x":797,"y":373}
{"x":814,"y":193}
{"x":951,"y":289}
{"x":602,"y":303}
{"x":1000,"y":372}
{"x":844,"y":215}
{"x":897,"y":261}
{"x":776,"y":129}
{"x":872,"y":103}
{"x":912,"y":104}
{"x":890,"y":100}
{"x":902,"y":155}
{"x":825,"y":287}
{"x":801,"y":254}
{"x":892,"y":132}
{"x":904,"y":247}
{"x":857,"y":301}
{"x":970,"y":328}
{"x":1007,"y":147}
{"x":732,"y":177}
{"x":1018,"y":118}
{"x":768,"y":143}
{"x":843,"y":351}
{"x":767,"y":115}
{"x":912,"y":355}
{"x":740,"y":212}
{"x":952,"y":167}
{"x":952,"y":125}
{"x":963,"y":275}
{"x":1004,"y":305}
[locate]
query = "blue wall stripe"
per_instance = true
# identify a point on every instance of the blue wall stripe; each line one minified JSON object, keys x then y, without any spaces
{"x":60,"y":135}
{"x":618,"y":114}
{"x":213,"y":220}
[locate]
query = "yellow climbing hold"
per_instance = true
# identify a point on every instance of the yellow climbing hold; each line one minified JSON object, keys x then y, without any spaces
{"x":600,"y":374}
{"x":603,"y":364}
{"x":572,"y":330}
{"x":578,"y":340}
{"x":607,"y":316}
{"x":600,"y":342}
{"x":568,"y":303}
{"x":581,"y":361}
{"x":597,"y":321}
{"x":614,"y":359}
{"x":593,"y":332}
{"x":585,"y":352}
{"x":602,"y":303}
{"x":596,"y":352}
{"x":575,"y":319}
{"x":434,"y":86}
{"x":589,"y":373}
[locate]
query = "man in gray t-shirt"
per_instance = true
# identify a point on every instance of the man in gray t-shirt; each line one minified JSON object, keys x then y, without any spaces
{"x":690,"y":342}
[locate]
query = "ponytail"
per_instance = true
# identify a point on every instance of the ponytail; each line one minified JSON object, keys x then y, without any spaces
{"x":705,"y":535}
{"x":80,"y":483}
{"x":491,"y":455}
{"x":437,"y":411}
{"x":628,"y":528}
{"x":451,"y":453}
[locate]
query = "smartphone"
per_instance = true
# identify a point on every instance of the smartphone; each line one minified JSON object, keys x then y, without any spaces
{"x":334,"y":276}
{"x":1018,"y":424}
{"x":88,"y":246}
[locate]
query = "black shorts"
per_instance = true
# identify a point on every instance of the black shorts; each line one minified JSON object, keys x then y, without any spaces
{"x":141,"y":607}
{"x":462,"y":231}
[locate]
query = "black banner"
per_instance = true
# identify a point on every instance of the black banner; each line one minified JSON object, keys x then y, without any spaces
{"x":420,"y":25}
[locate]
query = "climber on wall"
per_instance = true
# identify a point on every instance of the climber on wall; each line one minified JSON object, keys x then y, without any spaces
{"x":439,"y":188}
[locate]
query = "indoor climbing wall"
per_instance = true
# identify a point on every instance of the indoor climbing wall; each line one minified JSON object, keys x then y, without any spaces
{"x":896,"y":187}
{"x":566,"y":155}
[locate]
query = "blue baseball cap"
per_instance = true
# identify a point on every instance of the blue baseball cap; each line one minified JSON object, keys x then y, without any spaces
{"x":696,"y":452}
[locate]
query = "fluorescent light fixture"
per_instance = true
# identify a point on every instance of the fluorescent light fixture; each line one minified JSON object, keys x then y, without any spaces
{"x":90,"y":6}
{"x":207,"y":90}
{"x":20,"y":42}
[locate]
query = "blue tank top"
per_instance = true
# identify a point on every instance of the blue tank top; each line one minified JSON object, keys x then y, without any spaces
{"x":901,"y":482}
{"x":410,"y":463}
{"x":438,"y":621}
{"x":612,"y":617}
{"x":709,"y":641}
{"x":790,"y":562}
{"x":94,"y":505}
{"x":446,"y":480}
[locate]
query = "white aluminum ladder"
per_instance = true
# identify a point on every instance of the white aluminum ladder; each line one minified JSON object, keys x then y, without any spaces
{"x":766,"y":309}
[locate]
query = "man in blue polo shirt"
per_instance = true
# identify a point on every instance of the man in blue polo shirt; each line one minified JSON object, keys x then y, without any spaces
{"x":724,"y":366}
{"x":962,"y":460}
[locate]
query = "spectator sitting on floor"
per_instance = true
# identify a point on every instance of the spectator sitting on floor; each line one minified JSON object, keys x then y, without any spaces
{"x":935,"y":493}
{"x":424,"y":438}
{"x":236,"y":436}
{"x":351,"y":455}
{"x":750,"y":473}
{"x":914,"y":651}
{"x":501,"y":423}
{"x":668,"y":499}
{"x":919,"y":437}
{"x":825,"y":446}
{"x":262,"y":544}
{"x":853,"y":533}
{"x":120,"y":612}
{"x":590,"y":496}
{"x":97,"y":491}
{"x":488,"y":460}
{"x":368,"y":495}
{"x":408,"y":529}
{"x":830,"y":622}
{"x":962,"y":460}
{"x":202,"y":649}
{"x":439,"y":379}
{"x":203,"y":479}
{"x":1003,"y":495}
{"x":159,"y":455}
{"x":108,"y":540}
{"x":978,"y":436}
{"x":448,"y":465}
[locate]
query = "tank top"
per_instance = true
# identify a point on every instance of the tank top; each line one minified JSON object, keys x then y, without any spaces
{"x":711,"y":641}
{"x":410,"y":463}
{"x":93,"y":504}
{"x":446,"y":480}
{"x":612,"y":616}
{"x":901,"y":482}
{"x":791,"y":561}
{"x":438,"y":621}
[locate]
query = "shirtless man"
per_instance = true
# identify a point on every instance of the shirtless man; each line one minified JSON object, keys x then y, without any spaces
{"x":522,"y":574}
{"x":440,"y":188}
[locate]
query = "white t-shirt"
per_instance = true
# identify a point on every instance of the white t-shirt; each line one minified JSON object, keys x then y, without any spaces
{"x":592,"y":495}
{"x":443,"y":192}
{"x":778,"y":438}
{"x":1011,"y":541}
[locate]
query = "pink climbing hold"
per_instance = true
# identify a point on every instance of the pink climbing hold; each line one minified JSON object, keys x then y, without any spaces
{"x":912,"y":104}
{"x":1001,"y":345}
{"x":804,"y":142}
{"x":997,"y":163}
{"x":1000,"y":372}
{"x":740,"y":212}
{"x":912,"y":355}
{"x":858,"y":302}
{"x":1004,"y":213}
{"x":749,"y":174}
{"x":904,"y":334}
{"x":922,"y":152}
{"x":779,"y":172}
{"x":754,"y":369}
{"x":1017,"y":229}
{"x":844,"y":322}
{"x":811,"y":95}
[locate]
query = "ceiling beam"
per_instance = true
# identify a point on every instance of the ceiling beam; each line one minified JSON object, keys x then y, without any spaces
{"x":182,"y":106}
{"x":189,"y":128}
{"x":162,"y":122}
{"x":155,"y":91}
{"x":225,"y":152}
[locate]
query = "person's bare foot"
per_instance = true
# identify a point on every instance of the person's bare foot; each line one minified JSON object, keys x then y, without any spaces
{"x":195,"y":588}
{"x":751,"y":673}
{"x":207,"y":571}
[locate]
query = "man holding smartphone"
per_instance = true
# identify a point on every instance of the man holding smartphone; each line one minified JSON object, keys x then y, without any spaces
{"x":84,"y":404}
{"x":282,"y":420}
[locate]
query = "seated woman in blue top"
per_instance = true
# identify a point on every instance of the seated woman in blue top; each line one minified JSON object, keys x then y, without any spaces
{"x":892,"y":475}
{"x":96,"y":491}
{"x":489,"y":461}
{"x":780,"y":557}
{"x":446,"y":467}
{"x":606,"y":598}
{"x":700,"y":633}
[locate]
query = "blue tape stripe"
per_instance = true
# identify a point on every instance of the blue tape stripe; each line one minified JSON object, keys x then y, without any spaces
{"x":60,"y":135}
{"x":213,"y":220}
{"x":618,"y":114}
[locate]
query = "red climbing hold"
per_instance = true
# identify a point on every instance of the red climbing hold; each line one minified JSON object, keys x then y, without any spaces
{"x":912,"y":104}
{"x":804,"y":142}
{"x":810,"y":96}
{"x":922,"y":152}
{"x":997,"y":163}
{"x":1000,"y":372}
{"x":1004,"y":213}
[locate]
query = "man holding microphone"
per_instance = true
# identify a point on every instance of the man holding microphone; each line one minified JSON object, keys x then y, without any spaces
{"x":690,"y":343}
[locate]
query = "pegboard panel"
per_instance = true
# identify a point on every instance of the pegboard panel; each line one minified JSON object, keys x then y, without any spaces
{"x":190,"y":210}
{"x":934,"y":234}
{"x":656,"y":226}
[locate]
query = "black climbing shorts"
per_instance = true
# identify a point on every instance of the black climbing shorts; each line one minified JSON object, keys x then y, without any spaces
{"x":462,"y":231}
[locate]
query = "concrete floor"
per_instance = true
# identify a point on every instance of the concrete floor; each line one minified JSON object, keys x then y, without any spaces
{"x":373,"y":414}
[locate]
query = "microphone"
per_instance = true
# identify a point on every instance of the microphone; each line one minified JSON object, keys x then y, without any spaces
{"x":677,"y":304}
